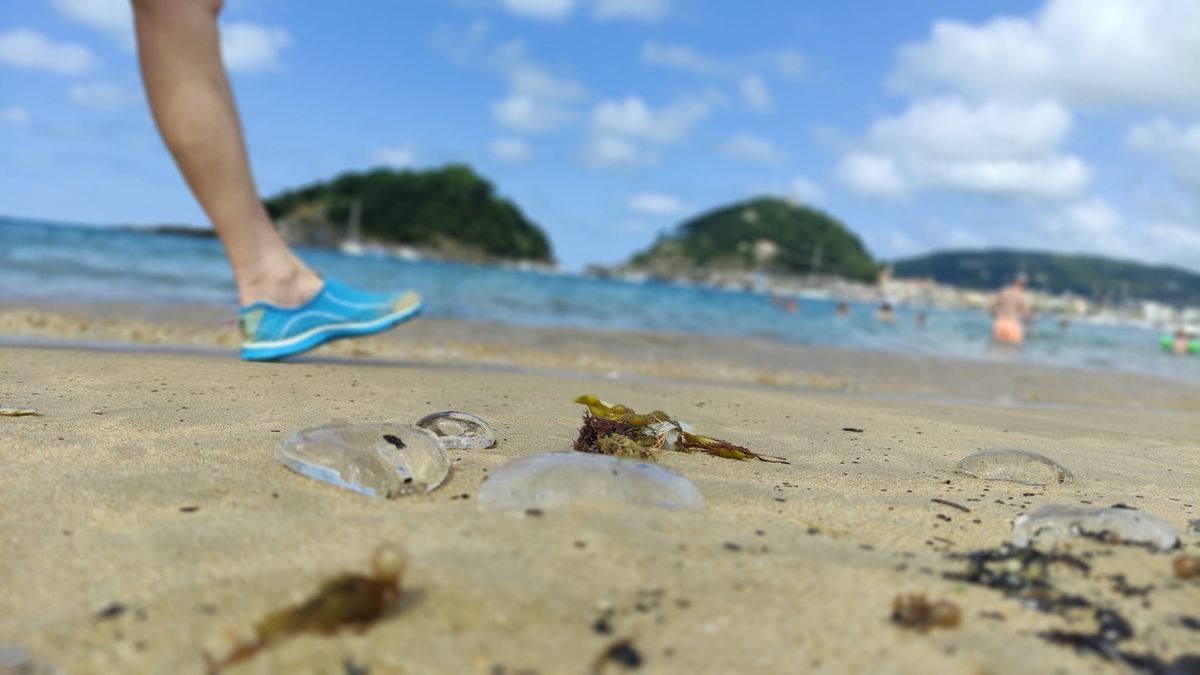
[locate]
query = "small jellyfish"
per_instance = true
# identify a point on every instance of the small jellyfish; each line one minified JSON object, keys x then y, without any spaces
{"x":458,"y":430}
{"x":374,"y":459}
{"x":1011,"y":464}
{"x":552,"y":479}
{"x":1108,"y":524}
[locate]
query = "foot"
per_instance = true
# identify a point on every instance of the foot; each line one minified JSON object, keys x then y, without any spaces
{"x":271,"y":332}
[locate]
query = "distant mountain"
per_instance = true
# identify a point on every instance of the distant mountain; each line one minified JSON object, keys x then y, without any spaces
{"x":1094,"y":277}
{"x":762,"y":234}
{"x":450,"y":211}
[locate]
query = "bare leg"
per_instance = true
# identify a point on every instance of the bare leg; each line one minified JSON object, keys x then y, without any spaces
{"x":192,"y":102}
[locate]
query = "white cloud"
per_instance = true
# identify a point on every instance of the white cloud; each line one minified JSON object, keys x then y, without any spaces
{"x":398,"y":157}
{"x":655,"y":204}
{"x":114,"y":17}
{"x":510,"y":149}
{"x":638,"y":10}
{"x":528,"y":114}
{"x":1090,"y":218}
{"x":1051,"y":177}
{"x":789,"y":63}
{"x":688,"y":59}
{"x":250,"y":47}
{"x":805,"y":191}
{"x":539,"y":101}
{"x":872,"y":175}
{"x":99,"y":95}
{"x":14,"y":114}
{"x":754,"y":91}
{"x":995,"y":149}
{"x":1178,"y":146}
{"x":24,"y":48}
{"x":751,"y":148}
{"x":604,"y":10}
{"x":949,"y":128}
{"x":632,"y":118}
{"x":603,"y":152}
{"x":546,"y":10}
{"x":1102,"y":53}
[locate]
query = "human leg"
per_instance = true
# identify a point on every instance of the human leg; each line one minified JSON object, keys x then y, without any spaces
{"x":192,"y":102}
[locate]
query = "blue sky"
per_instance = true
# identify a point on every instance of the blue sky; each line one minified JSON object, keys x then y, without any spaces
{"x":1072,"y":125}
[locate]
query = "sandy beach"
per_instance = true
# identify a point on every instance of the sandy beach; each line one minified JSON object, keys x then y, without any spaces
{"x":145,"y":520}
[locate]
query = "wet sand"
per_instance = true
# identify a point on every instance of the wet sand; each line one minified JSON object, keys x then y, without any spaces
{"x":625,"y":355}
{"x":149,"y":484}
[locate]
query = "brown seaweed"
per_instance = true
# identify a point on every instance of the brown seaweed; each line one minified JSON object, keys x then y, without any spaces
{"x":656,"y":430}
{"x":914,"y":610}
{"x":1022,"y":573}
{"x":1112,"y":629}
{"x":6,"y":411}
{"x":347,"y":600}
{"x":1187,"y":566}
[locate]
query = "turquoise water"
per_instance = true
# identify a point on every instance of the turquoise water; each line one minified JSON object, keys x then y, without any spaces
{"x":43,"y":262}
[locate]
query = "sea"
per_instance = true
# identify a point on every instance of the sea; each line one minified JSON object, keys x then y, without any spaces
{"x":48,"y":263}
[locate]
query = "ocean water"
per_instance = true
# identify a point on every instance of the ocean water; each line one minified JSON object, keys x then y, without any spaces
{"x":42,"y":262}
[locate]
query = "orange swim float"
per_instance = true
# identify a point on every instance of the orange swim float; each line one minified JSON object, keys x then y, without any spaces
{"x":1008,"y":330}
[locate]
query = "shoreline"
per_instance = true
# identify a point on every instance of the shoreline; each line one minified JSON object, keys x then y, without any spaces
{"x":623,"y":355}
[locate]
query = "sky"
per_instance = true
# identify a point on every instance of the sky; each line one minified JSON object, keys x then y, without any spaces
{"x":1069,"y":125}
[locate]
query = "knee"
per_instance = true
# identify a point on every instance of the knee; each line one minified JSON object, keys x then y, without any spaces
{"x":212,"y":7}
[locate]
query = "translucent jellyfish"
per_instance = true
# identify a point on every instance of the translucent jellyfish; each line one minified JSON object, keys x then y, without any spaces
{"x":552,"y":479}
{"x":1118,"y":524}
{"x":1019,"y":466}
{"x":374,"y":459}
{"x":458,"y":430}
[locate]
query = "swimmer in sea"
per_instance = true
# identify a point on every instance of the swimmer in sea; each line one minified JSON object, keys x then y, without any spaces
{"x":1181,"y":342}
{"x":1009,"y":312}
{"x":843,"y":309}
{"x":885,"y":313}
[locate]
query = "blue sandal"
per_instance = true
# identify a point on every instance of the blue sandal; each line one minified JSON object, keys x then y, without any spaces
{"x":271,"y":332}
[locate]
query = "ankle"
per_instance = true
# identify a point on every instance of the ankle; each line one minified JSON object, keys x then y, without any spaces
{"x":286,"y":286}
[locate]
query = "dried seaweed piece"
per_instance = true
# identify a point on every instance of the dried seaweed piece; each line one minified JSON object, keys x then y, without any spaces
{"x":657,"y":429}
{"x":1111,"y":629}
{"x":344,"y":601}
{"x":1022,"y":573}
{"x":914,"y":611}
{"x":622,"y":652}
{"x":6,"y":411}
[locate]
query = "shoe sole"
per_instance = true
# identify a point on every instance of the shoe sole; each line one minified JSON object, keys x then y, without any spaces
{"x":281,"y":349}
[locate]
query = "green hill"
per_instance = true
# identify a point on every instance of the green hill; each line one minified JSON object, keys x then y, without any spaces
{"x":1094,"y":277}
{"x":762,"y":234}
{"x":450,"y":211}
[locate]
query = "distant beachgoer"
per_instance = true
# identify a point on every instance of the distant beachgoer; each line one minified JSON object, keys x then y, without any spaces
{"x":885,"y":312}
{"x":1181,"y":342}
{"x":1064,"y":324}
{"x":1009,"y":312}
{"x":791,"y":305}
{"x":286,"y":308}
{"x":843,"y":309}
{"x":922,"y":318}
